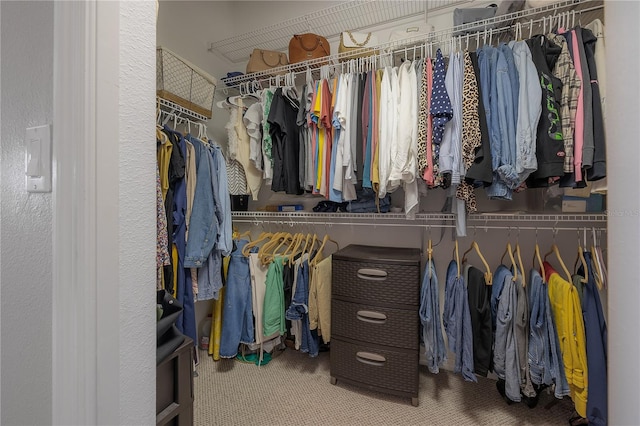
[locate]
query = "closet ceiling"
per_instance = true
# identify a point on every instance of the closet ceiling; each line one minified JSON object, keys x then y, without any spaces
{"x":269,"y":25}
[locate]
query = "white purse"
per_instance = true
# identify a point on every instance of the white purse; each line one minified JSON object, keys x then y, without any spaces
{"x":360,"y":43}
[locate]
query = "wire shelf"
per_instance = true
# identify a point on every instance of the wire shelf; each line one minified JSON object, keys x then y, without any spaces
{"x":483,"y":221}
{"x":581,"y":6}
{"x":329,"y":22}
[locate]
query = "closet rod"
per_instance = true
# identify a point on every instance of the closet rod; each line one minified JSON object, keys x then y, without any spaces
{"x":396,"y":46}
{"x":420,"y":225}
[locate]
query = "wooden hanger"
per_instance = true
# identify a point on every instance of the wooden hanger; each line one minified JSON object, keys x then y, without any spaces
{"x":536,"y":255}
{"x":487,"y":275}
{"x":456,"y":256}
{"x":263,"y":236}
{"x":555,"y":250}
{"x":326,"y":238}
{"x":584,"y":279}
{"x":518,"y":255}
{"x":596,"y":265}
{"x":509,"y":250}
{"x":429,"y":255}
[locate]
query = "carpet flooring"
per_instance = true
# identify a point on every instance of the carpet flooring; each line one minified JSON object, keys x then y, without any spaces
{"x":294,"y":389}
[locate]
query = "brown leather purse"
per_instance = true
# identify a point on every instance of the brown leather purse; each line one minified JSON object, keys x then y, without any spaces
{"x":262,"y":60}
{"x":303,"y":47}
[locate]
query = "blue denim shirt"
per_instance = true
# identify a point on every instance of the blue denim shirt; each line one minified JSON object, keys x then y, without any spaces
{"x":457,"y":323}
{"x":547,"y":348}
{"x":505,"y":352}
{"x":529,"y":110}
{"x":435,"y":350}
{"x":203,"y":231}
{"x":223,"y":202}
{"x":504,"y":123}
{"x":299,"y":310}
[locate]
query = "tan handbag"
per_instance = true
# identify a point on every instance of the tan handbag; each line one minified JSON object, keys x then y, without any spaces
{"x":359,"y":43}
{"x":262,"y":60}
{"x":303,"y":47}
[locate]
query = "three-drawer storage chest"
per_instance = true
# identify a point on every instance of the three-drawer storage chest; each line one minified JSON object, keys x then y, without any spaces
{"x":375,"y":338}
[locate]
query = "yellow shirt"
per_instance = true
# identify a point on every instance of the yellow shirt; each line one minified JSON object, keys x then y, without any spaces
{"x":164,"y":157}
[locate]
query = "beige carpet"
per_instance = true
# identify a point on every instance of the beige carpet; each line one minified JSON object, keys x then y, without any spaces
{"x":294,"y":389}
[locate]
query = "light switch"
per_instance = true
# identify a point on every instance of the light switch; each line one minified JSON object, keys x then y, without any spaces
{"x":38,"y":159}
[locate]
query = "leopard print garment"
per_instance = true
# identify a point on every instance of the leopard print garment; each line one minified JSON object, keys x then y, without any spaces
{"x":422,"y":123}
{"x":465,"y":192}
{"x":471,"y":137}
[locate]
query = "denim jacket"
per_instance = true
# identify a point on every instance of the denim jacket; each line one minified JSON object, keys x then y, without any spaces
{"x":505,"y":354}
{"x":457,"y":323}
{"x":203,"y":231}
{"x":435,"y":350}
{"x":223,"y":201}
{"x":544,"y":348}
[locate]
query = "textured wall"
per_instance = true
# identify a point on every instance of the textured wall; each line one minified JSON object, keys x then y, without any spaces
{"x":25,"y":258}
{"x":137,"y":221}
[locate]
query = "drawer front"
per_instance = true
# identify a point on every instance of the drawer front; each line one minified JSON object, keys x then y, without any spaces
{"x":373,"y":366}
{"x":376,"y":282}
{"x":374,"y":324}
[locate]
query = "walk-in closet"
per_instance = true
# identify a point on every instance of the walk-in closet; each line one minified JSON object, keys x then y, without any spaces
{"x":391,"y":212}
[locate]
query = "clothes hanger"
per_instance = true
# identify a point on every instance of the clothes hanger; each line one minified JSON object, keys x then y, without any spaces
{"x":582,"y":260}
{"x":474,"y":246}
{"x":596,"y":265}
{"x":456,"y":256}
{"x":518,"y":255}
{"x":250,"y":245}
{"x":509,"y":250}
{"x":538,"y":257}
{"x":555,"y":250}
{"x":326,"y":238}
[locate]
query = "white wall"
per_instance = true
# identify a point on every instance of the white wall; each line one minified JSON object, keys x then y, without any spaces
{"x":623,"y":127}
{"x":25,"y":258}
{"x":136,"y":282}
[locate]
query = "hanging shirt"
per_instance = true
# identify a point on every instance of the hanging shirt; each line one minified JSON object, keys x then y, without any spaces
{"x":450,"y":147}
{"x":284,"y":134}
{"x":566,"y":72}
{"x":266,"y":97}
{"x":529,"y":110}
{"x":598,"y":167}
{"x":441,"y":112}
{"x":253,"y":174}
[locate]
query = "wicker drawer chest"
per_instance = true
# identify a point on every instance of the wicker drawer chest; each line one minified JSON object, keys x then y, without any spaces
{"x":375,"y":298}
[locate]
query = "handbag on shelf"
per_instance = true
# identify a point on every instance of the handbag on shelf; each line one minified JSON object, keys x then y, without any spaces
{"x":263,"y":60}
{"x":361,"y":44}
{"x":303,"y":47}
{"x":463,"y":16}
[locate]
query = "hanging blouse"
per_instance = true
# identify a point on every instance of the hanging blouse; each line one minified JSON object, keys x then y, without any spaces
{"x":265,"y":99}
{"x":441,"y":113}
{"x":566,"y":72}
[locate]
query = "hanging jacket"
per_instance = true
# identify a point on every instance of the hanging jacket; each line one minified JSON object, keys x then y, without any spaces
{"x":596,"y":339}
{"x":456,"y":320}
{"x":479,"y":296}
{"x":598,"y":168}
{"x":567,"y":313}
{"x":480,"y":173}
{"x":545,"y":358}
{"x":550,"y":142}
{"x":435,"y":351}
{"x":505,"y":353}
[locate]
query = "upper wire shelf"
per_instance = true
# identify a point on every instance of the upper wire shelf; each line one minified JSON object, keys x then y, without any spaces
{"x":581,"y":6}
{"x":329,"y":22}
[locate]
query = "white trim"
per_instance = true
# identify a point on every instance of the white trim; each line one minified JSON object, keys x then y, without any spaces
{"x":74,"y":350}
